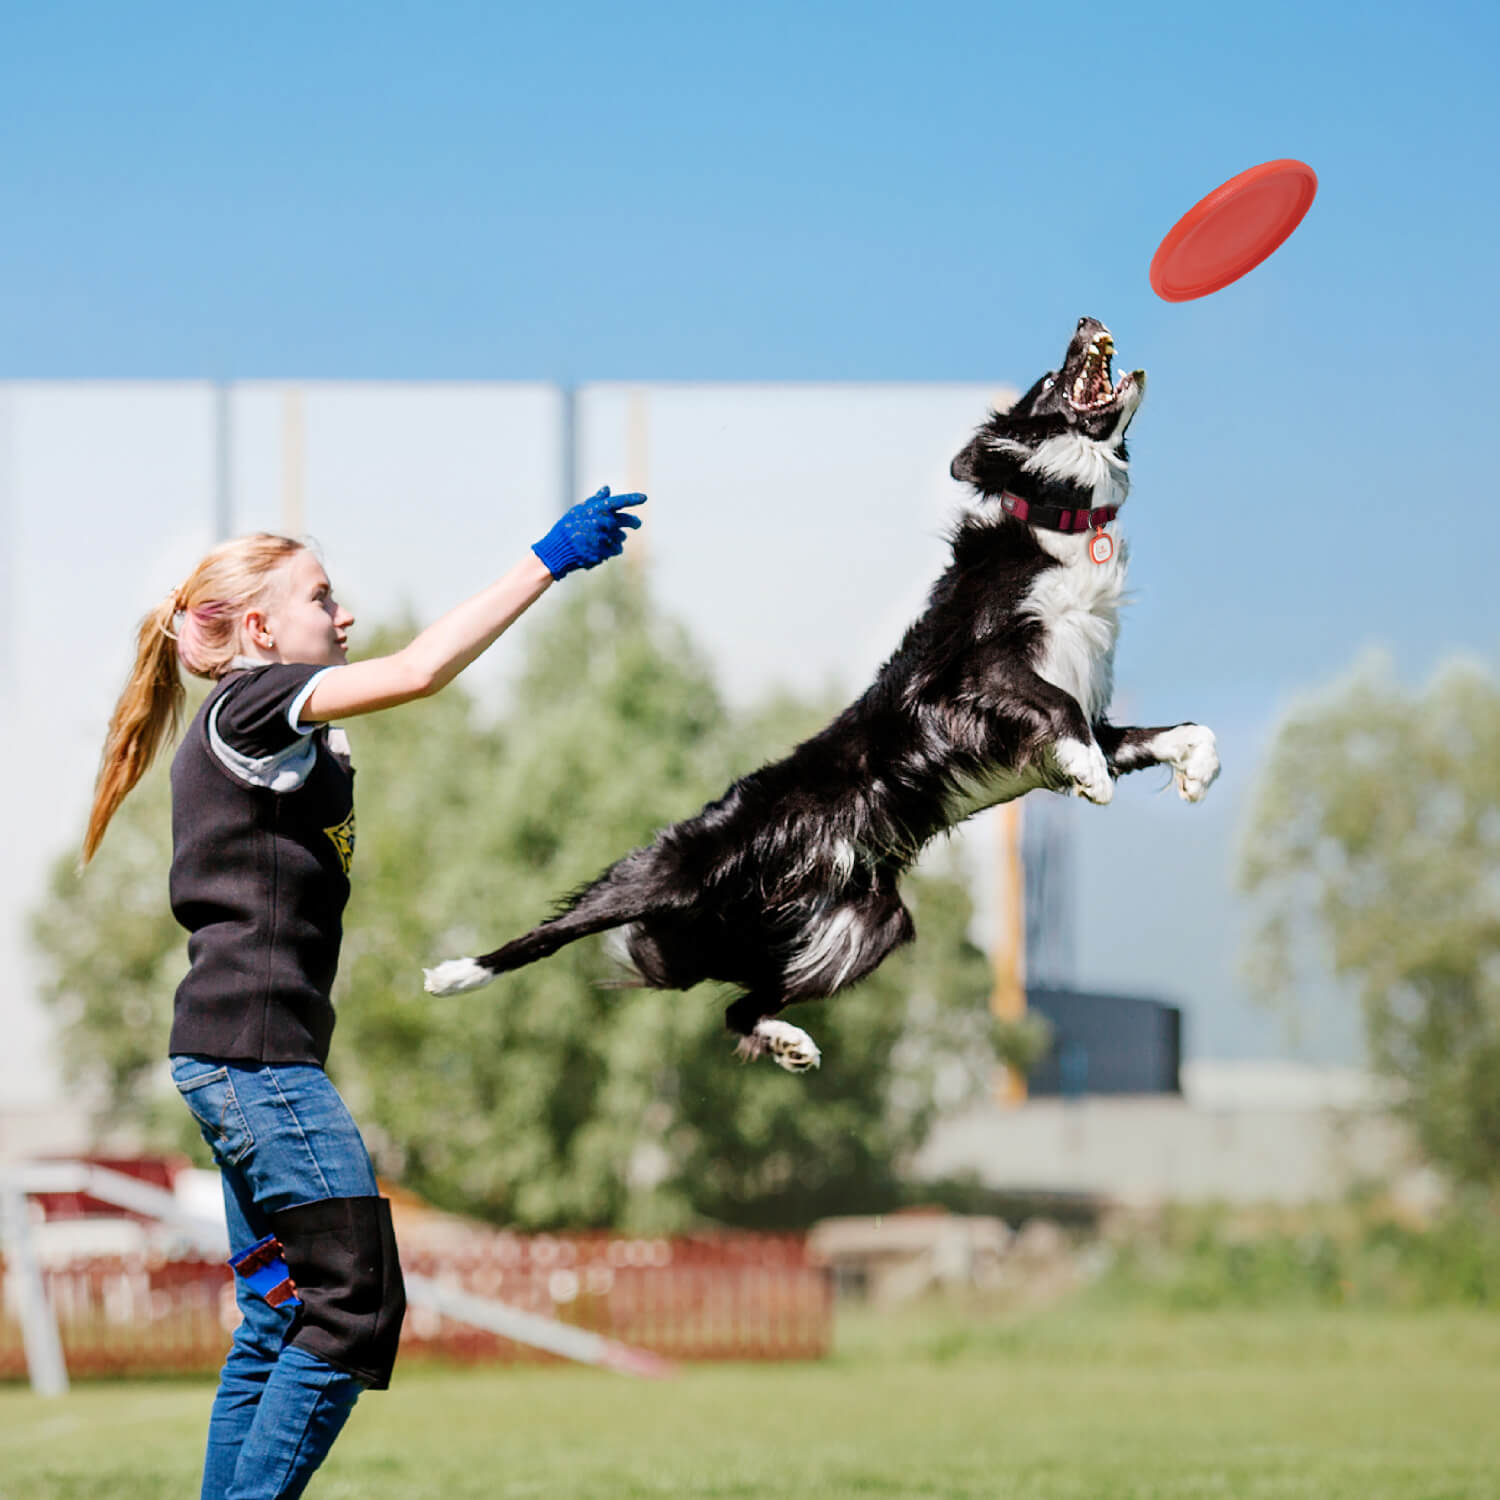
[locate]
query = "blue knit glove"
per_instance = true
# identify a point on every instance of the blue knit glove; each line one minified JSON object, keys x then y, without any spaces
{"x":586,"y":535}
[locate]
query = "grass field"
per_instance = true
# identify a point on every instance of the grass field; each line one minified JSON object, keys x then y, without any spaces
{"x":1074,"y":1404}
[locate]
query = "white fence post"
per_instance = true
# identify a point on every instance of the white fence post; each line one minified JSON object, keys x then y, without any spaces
{"x":44,"y":1356}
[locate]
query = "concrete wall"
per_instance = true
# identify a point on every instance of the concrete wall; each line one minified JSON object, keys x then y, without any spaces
{"x":1244,"y":1133}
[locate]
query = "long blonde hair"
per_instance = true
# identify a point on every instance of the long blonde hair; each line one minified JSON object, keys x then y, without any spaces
{"x":197,"y":624}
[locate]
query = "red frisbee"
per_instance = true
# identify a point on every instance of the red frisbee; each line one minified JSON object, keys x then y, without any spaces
{"x":1231,"y":231}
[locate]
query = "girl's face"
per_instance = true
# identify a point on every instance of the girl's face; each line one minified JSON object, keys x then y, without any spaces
{"x":301,"y":621}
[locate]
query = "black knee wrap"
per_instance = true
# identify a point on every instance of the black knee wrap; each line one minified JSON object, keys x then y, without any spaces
{"x":342,"y":1256}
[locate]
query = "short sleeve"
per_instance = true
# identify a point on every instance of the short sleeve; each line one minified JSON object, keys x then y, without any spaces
{"x":258,"y":716}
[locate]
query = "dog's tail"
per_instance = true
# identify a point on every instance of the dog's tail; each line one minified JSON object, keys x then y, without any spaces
{"x":614,"y":899}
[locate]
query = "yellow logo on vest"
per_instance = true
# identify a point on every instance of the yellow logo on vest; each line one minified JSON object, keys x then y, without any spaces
{"x":342,"y":835}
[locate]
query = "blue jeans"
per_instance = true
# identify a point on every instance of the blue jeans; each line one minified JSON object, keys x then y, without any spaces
{"x":281,"y":1137}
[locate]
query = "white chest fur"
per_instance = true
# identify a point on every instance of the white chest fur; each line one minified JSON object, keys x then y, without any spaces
{"x":1078,"y":605}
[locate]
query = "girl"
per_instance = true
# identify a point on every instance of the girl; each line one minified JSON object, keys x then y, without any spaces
{"x":262,"y":841}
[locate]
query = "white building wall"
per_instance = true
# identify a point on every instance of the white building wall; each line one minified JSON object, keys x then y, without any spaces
{"x":794,"y":528}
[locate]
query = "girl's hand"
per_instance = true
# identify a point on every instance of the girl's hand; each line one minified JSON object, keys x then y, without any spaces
{"x":588,"y":534}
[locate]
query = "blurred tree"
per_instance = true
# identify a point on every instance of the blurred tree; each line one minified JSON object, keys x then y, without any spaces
{"x":550,"y":1098}
{"x":114,"y":956}
{"x":523,"y":1102}
{"x":1373,"y":847}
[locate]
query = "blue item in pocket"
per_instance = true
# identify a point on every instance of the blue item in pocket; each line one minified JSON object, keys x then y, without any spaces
{"x":264,"y":1267}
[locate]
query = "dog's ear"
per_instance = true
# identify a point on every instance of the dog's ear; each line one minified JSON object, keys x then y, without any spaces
{"x":965,"y":467}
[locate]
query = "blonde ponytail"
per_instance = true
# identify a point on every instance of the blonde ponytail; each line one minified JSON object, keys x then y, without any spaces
{"x":198,"y":626}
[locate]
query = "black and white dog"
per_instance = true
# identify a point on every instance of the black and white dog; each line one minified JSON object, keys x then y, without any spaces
{"x":787,"y":886}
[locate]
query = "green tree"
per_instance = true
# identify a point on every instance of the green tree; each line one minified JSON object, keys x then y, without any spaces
{"x":115,"y":955}
{"x":525,"y":1102}
{"x":1373,"y":848}
{"x":550,"y":1098}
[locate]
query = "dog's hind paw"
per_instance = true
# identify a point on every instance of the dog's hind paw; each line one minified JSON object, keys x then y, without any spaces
{"x":1192,"y":752}
{"x":455,"y":976}
{"x":1086,"y":767}
{"x":790,"y":1046}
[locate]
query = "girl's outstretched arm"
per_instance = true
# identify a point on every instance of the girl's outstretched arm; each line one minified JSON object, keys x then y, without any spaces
{"x":436,"y":656}
{"x":583,"y":537}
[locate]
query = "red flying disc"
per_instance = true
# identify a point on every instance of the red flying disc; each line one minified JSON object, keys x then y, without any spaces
{"x":1231,"y":231}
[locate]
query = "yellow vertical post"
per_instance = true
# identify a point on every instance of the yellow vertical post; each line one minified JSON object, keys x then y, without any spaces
{"x":637,"y":465}
{"x":293,"y":463}
{"x":1008,"y":952}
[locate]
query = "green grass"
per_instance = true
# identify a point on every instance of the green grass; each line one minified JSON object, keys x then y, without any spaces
{"x":942,"y":1401}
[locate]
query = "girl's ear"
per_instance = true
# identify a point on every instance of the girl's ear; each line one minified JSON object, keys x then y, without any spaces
{"x":255,"y":629}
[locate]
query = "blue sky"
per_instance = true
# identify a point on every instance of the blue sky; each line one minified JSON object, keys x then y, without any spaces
{"x":833,"y":192}
{"x":792,"y":192}
{"x":781,"y":191}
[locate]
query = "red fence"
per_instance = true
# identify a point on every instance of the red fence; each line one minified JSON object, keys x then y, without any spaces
{"x":701,"y":1297}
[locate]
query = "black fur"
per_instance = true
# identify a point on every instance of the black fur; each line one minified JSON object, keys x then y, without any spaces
{"x":787,"y":886}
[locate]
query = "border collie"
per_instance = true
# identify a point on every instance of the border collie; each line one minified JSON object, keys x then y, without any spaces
{"x":788,"y":886}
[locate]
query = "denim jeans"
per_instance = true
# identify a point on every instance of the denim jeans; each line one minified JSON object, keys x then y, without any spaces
{"x":281,"y":1137}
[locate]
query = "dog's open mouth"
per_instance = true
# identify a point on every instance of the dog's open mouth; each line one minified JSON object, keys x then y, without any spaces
{"x":1094,"y":385}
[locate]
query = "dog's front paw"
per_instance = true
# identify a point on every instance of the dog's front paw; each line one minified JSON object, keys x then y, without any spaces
{"x":790,"y":1046}
{"x":1086,"y":767}
{"x":1193,"y":754}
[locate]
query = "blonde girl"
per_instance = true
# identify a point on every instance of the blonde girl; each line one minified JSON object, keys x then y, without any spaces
{"x":263,"y":839}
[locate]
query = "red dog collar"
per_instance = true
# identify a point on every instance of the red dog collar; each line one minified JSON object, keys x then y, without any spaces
{"x":1054,"y":518}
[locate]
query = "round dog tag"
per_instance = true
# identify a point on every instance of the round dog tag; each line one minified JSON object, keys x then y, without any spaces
{"x":1101,"y":546}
